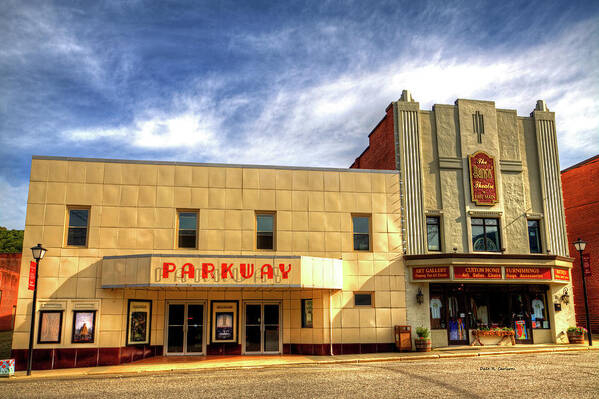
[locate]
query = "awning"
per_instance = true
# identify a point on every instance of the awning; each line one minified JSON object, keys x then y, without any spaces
{"x":222,"y":271}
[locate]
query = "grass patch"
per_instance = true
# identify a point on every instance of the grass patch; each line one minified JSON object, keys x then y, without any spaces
{"x":5,"y":344}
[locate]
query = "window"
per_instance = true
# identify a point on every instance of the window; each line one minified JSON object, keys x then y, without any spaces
{"x":437,"y":310}
{"x":361,"y":233}
{"x":485,"y":235}
{"x":363,"y":299}
{"x":265,"y":224}
{"x":534,"y":237}
{"x":538,"y":315}
{"x":307,"y":313}
{"x":433,"y":233}
{"x":78,"y":223}
{"x":188,"y":229}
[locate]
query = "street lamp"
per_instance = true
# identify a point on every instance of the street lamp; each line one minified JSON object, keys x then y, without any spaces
{"x":38,"y":253}
{"x":580,"y":246}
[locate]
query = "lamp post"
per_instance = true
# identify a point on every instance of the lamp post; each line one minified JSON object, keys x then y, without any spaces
{"x":580,"y":246}
{"x":38,"y":253}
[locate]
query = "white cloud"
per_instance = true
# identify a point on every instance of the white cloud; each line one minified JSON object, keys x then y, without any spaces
{"x":326,"y":123}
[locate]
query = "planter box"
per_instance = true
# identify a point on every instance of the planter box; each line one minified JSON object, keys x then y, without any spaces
{"x":423,"y":345}
{"x":7,"y":367}
{"x":576,"y":338}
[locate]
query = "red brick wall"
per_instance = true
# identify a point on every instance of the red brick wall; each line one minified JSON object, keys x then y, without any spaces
{"x":380,"y":154}
{"x":10,"y":265}
{"x":581,"y":201}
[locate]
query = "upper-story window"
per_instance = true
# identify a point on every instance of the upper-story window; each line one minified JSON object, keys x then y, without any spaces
{"x":265,"y":231}
{"x":361,"y":233}
{"x":188,"y":230}
{"x":485,"y":234}
{"x":78,"y":226}
{"x":433,"y":233}
{"x":534,"y":237}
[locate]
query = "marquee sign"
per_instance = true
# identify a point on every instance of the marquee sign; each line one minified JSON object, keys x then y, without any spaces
{"x":466,"y":272}
{"x":430,"y":273}
{"x":483,"y":187}
{"x":528,"y":273}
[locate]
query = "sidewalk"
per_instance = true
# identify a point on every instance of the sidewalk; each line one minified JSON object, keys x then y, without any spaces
{"x":191,"y":363}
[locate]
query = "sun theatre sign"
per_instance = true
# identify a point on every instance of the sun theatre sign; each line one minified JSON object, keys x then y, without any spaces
{"x":483,"y":186}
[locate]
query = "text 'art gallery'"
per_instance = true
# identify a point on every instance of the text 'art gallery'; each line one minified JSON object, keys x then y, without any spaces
{"x":452,"y":219}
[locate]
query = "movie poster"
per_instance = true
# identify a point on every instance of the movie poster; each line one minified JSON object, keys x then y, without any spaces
{"x":138,"y":332}
{"x":84,"y":326}
{"x":50,"y":327}
{"x":224,"y":321}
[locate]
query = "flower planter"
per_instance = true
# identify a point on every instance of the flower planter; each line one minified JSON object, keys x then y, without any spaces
{"x":576,"y":338}
{"x":423,"y":344}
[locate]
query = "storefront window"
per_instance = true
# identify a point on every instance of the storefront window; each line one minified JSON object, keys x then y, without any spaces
{"x":361,"y":233}
{"x":433,"y":233}
{"x":534,"y":237}
{"x":78,"y":222}
{"x":485,"y":235}
{"x":538,"y":315}
{"x":437,"y":311}
{"x":188,"y":225}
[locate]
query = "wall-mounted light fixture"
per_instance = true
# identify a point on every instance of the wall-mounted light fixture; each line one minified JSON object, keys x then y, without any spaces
{"x":565,"y":298}
{"x":420,"y":297}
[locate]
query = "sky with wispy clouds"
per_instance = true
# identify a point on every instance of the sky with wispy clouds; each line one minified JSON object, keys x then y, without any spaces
{"x":274,"y":82}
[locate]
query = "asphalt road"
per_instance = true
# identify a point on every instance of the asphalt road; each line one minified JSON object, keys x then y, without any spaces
{"x":561,"y":375}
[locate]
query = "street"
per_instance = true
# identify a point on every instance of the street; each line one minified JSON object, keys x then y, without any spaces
{"x":560,"y":375}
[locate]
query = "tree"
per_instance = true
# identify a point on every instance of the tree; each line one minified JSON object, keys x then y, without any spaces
{"x":11,"y":241}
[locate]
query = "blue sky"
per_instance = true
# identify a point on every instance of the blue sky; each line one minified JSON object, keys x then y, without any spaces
{"x":273,"y":82}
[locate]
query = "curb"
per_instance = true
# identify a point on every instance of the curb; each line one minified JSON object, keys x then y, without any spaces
{"x":431,"y":356}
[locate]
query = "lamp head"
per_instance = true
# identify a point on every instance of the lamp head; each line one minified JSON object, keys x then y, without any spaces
{"x":38,"y":252}
{"x":580,"y":245}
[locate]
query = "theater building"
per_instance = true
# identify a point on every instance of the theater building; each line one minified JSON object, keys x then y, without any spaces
{"x":463,"y":230}
{"x":167,"y":258}
{"x":482,"y":218}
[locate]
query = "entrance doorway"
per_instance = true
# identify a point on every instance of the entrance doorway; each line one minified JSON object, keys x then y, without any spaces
{"x":262,"y":332}
{"x":185,"y":329}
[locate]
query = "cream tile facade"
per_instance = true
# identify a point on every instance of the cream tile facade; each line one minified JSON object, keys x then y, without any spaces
{"x":133,"y":211}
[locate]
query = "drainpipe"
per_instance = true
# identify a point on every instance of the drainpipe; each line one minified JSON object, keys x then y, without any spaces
{"x":331,"y":321}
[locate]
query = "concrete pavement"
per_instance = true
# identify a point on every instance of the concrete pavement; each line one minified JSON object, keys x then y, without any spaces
{"x":190,"y":363}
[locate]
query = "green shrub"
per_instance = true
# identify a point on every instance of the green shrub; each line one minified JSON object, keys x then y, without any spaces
{"x":423,"y":332}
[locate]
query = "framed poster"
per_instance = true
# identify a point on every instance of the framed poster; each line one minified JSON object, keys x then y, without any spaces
{"x":224,"y":321}
{"x":84,"y":326}
{"x":50,"y":327}
{"x":139,"y":322}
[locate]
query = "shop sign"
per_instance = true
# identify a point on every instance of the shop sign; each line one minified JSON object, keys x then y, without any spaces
{"x":430,"y":273}
{"x":466,"y":272}
{"x":528,"y":273}
{"x":483,"y":188}
{"x":586,"y":264}
{"x":32,"y":270}
{"x":561,"y":274}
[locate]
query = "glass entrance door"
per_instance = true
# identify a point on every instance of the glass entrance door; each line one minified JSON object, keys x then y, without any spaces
{"x":262,"y":328}
{"x":457,"y":329}
{"x":521,"y":321}
{"x":185,"y":329}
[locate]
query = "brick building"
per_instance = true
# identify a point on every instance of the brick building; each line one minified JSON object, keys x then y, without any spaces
{"x":581,"y":201}
{"x":9,"y":284}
